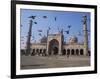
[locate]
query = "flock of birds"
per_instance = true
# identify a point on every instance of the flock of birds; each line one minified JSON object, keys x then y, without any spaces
{"x":40,"y":31}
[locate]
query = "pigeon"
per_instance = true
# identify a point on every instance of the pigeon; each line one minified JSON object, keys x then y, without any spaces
{"x":44,"y":16}
{"x":35,"y":22}
{"x":40,"y":34}
{"x":55,"y":18}
{"x":33,"y":17}
{"x":67,"y":32}
{"x":69,"y":26}
{"x":39,"y":30}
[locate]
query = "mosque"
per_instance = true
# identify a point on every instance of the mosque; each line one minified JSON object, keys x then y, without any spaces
{"x":53,"y":44}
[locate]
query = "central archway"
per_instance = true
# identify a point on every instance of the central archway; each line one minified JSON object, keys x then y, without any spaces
{"x":55,"y":50}
{"x":53,"y":47}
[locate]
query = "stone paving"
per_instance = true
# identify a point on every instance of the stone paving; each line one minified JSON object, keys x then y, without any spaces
{"x":37,"y":62}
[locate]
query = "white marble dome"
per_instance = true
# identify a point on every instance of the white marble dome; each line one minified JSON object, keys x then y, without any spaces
{"x":73,"y":39}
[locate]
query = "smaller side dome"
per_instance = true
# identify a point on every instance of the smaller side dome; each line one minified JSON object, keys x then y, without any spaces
{"x":43,"y":39}
{"x":73,"y":39}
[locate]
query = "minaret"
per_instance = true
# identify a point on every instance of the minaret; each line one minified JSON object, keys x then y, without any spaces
{"x":28,"y":44}
{"x":47,"y":48}
{"x":62,"y":41}
{"x":85,"y":35}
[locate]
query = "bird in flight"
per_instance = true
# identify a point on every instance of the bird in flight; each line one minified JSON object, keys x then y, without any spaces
{"x":35,"y":22}
{"x":55,"y":18}
{"x":39,"y":30}
{"x":69,"y":26}
{"x":33,"y":17}
{"x":40,"y":34}
{"x":44,"y":16}
{"x":67,"y":31}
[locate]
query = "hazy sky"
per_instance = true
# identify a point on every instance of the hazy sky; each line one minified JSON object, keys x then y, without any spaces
{"x":63,"y":19}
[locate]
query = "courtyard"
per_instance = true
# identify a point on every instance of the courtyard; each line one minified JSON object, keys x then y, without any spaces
{"x":40,"y":62}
